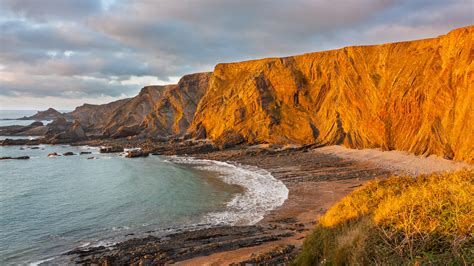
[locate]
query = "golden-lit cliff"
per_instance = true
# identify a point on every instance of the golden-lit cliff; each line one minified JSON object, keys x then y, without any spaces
{"x":174,"y":111}
{"x":415,"y":96}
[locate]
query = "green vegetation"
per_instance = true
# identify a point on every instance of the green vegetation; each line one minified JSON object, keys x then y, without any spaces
{"x":398,"y":221}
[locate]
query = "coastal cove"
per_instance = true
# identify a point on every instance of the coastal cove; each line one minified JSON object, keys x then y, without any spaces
{"x":51,"y":205}
{"x":362,"y":155}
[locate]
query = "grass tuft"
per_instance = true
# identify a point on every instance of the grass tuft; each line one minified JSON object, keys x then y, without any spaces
{"x":398,"y":220}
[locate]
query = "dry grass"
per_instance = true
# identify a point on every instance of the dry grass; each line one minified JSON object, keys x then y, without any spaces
{"x":399,"y":220}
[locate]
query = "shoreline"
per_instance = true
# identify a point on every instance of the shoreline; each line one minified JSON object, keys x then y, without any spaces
{"x":315,"y":177}
{"x":306,"y":173}
{"x":260,"y":191}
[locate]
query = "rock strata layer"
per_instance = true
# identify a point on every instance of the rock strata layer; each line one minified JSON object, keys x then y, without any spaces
{"x":415,"y":96}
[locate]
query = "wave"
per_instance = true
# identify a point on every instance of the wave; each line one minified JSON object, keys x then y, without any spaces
{"x":262,"y":193}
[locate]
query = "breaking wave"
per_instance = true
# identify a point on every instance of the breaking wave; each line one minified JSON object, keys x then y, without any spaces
{"x":262,"y":192}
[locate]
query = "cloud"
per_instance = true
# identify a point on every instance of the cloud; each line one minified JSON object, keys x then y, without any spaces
{"x":14,"y":84}
{"x":45,"y":10}
{"x":107,"y":48}
{"x":229,"y":30}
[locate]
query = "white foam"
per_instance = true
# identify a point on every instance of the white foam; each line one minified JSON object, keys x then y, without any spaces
{"x":120,"y":228}
{"x":36,"y":263}
{"x":87,"y":147}
{"x":262,"y":194}
{"x":85,"y":244}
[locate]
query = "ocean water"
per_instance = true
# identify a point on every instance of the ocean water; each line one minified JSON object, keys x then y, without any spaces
{"x":50,"y":205}
{"x":12,"y":114}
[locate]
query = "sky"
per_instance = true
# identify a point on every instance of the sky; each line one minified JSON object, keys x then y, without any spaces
{"x":63,"y":53}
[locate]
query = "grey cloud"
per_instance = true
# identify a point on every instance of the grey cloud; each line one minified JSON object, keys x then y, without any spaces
{"x":210,"y":30}
{"x":172,"y":38}
{"x":19,"y":36}
{"x":67,"y":87}
{"x":44,"y":10}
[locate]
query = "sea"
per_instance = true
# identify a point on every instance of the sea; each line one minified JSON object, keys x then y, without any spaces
{"x":7,"y":117}
{"x":52,"y":205}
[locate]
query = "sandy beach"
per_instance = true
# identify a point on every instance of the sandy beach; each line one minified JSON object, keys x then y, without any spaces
{"x":315,"y":183}
{"x":316,"y":179}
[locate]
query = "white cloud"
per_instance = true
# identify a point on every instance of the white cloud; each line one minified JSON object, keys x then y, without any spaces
{"x":142,"y":81}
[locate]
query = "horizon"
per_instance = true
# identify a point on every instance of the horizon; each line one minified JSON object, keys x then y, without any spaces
{"x":63,"y":54}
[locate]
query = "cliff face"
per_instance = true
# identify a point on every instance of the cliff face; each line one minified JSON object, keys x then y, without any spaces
{"x":415,"y":96}
{"x":157,"y":111}
{"x":128,"y":119}
{"x":174,"y":111}
{"x":93,"y":117}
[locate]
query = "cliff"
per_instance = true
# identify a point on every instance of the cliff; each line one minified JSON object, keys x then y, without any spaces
{"x":415,"y":96}
{"x":94,"y":116}
{"x":156,"y":112}
{"x":127,"y":120}
{"x":174,"y":112}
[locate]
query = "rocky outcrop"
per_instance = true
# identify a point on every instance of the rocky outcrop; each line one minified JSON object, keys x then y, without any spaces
{"x":15,"y":158}
{"x":174,"y":111}
{"x":111,"y":149}
{"x":34,"y":129}
{"x":49,"y":114}
{"x":94,"y":117}
{"x":16,"y":142}
{"x":156,"y":112}
{"x":62,"y":131}
{"x":415,"y":96}
{"x":128,"y":119}
{"x":136,"y":153}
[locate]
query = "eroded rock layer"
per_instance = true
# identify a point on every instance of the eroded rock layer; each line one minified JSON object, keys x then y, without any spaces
{"x":156,"y":112}
{"x":127,"y":120}
{"x":93,"y":117}
{"x":415,"y":96}
{"x":173,"y":113}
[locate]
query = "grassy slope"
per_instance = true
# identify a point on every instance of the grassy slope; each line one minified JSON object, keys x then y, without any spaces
{"x":399,"y":220}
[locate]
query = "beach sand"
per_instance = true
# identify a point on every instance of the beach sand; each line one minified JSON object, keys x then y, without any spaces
{"x":316,"y":179}
{"x":310,"y":195}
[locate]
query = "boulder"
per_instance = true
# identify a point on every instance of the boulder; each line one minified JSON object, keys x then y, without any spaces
{"x":53,"y":154}
{"x":229,"y":138}
{"x":69,"y":153}
{"x":85,"y":152}
{"x":111,"y":149}
{"x":137,"y":153}
{"x":15,"y":158}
